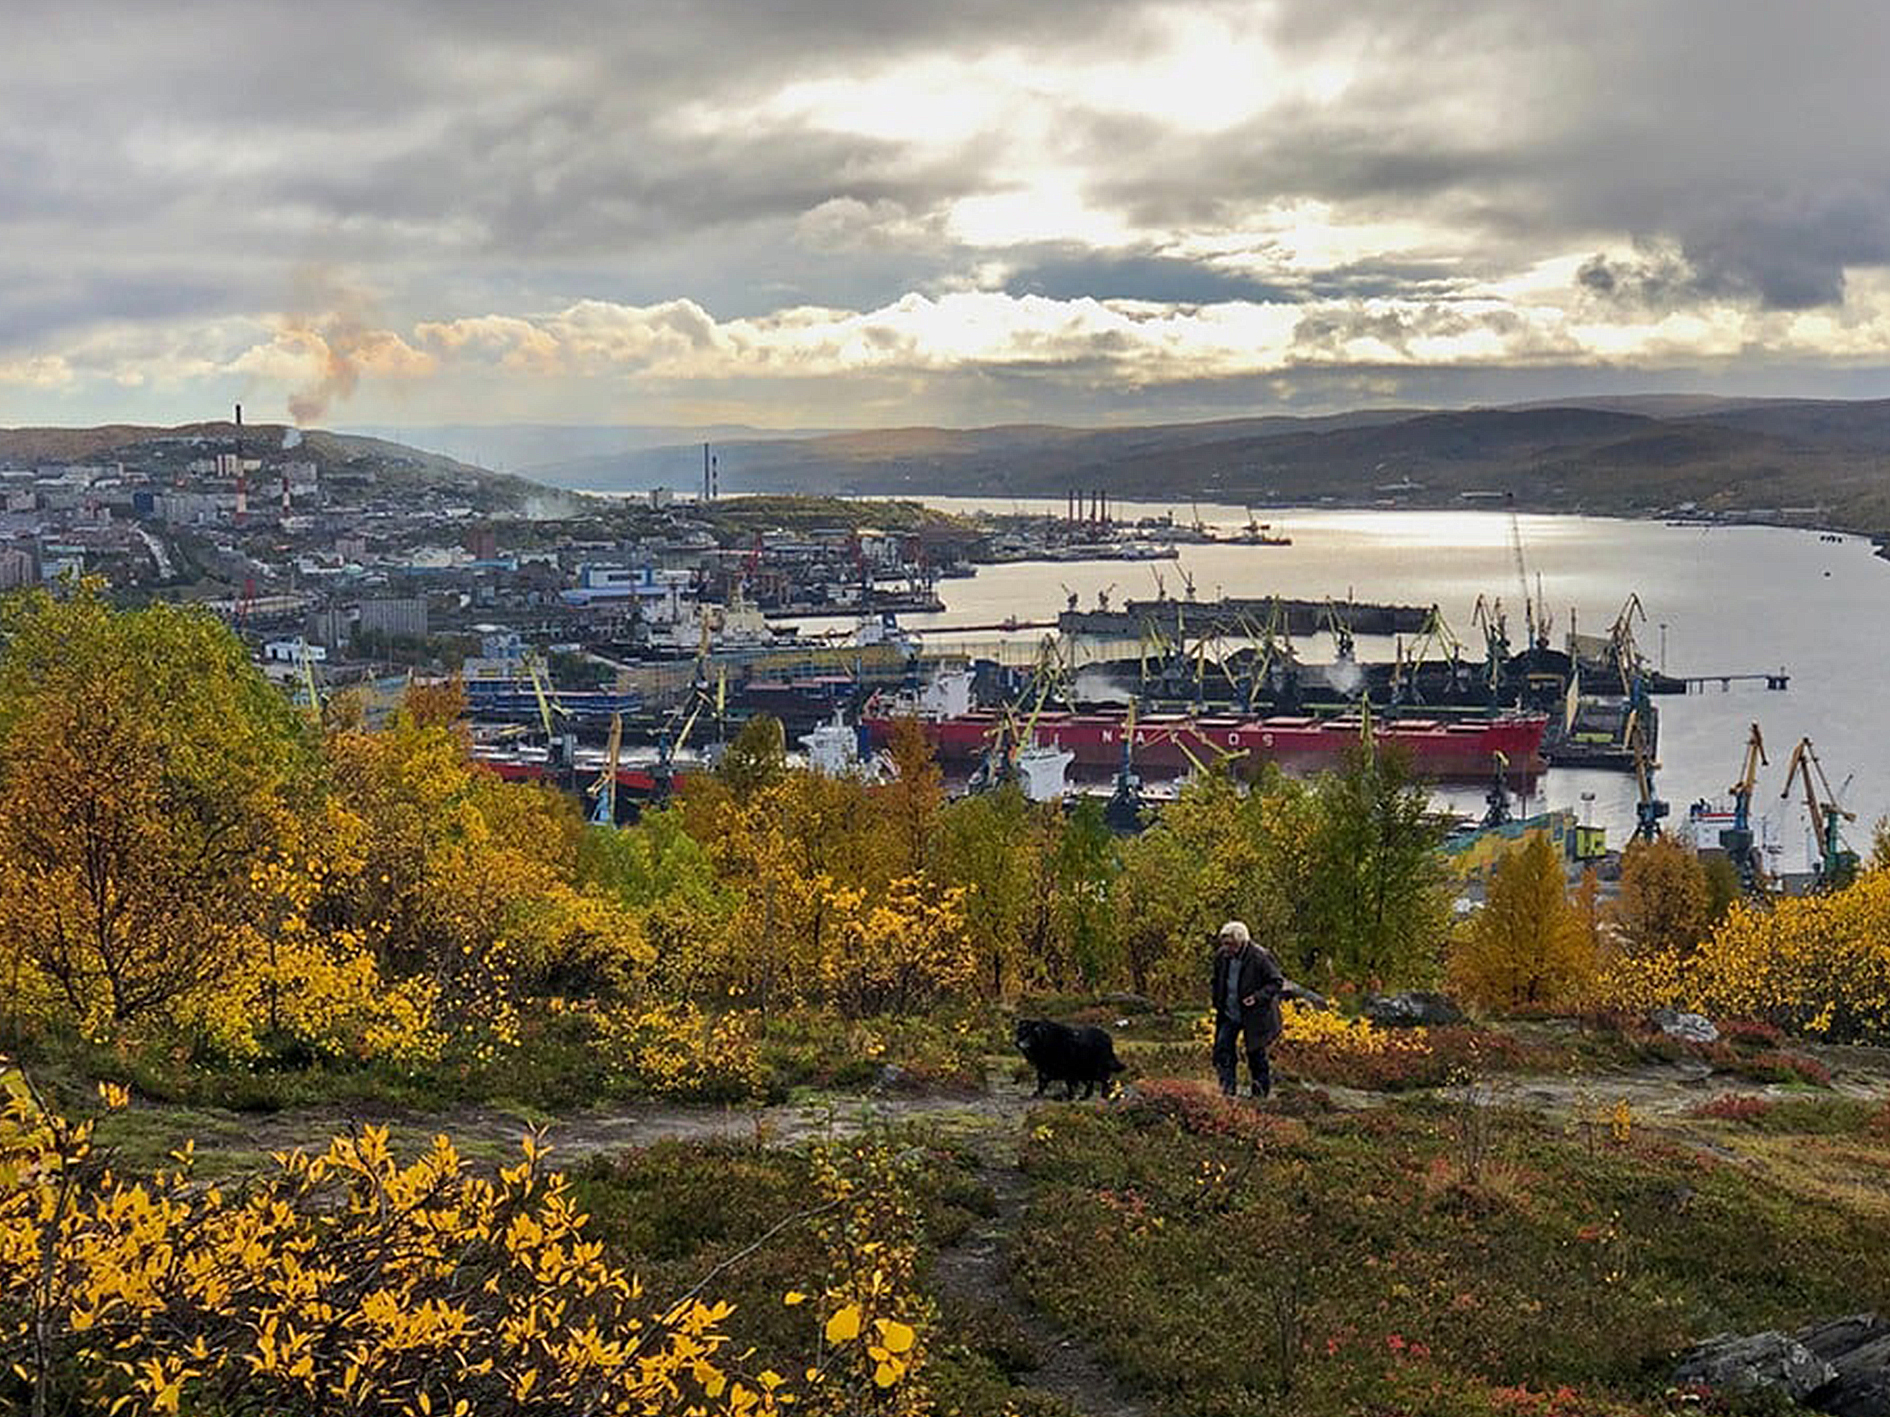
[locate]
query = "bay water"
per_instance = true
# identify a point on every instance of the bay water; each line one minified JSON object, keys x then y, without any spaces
{"x":1718,"y":599}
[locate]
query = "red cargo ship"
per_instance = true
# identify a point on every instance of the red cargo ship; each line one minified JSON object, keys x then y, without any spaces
{"x":1171,"y":743}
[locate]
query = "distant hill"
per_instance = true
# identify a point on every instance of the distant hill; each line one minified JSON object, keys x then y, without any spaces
{"x":1628,"y":455}
{"x":519,"y":447}
{"x":391,"y":465}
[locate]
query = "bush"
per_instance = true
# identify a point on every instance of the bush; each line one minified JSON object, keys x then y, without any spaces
{"x":1734,"y":1107}
{"x":1780,"y":1066}
{"x":343,"y":1281}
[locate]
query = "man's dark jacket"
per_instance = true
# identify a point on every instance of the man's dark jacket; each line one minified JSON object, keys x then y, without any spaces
{"x":1259,"y":979}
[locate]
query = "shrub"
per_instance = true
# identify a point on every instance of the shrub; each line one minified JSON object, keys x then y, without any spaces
{"x":1734,"y":1107}
{"x":1818,"y":964}
{"x":1780,"y":1066}
{"x":342,"y":1281}
{"x":1203,"y":1112}
{"x":1751,"y":1031}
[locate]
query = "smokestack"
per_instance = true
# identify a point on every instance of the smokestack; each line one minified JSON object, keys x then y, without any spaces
{"x":705,"y":472}
{"x":242,"y":493}
{"x":239,"y":415}
{"x":715,"y":478}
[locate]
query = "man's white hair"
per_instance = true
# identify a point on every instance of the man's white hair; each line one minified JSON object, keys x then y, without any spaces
{"x":1236,"y":930}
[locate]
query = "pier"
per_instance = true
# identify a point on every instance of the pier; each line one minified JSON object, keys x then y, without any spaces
{"x":1696,"y":683}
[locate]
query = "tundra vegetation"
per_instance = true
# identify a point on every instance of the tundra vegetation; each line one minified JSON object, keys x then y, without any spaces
{"x":211,"y":904}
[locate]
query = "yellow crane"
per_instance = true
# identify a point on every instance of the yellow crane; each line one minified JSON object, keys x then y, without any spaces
{"x":604,"y":809}
{"x":1836,"y":863}
{"x":1736,"y":840}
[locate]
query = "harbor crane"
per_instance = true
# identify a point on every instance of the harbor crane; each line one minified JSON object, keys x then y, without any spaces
{"x":1648,"y":809}
{"x":560,"y":743}
{"x":604,"y":806}
{"x":1736,"y":840}
{"x":663,"y":775}
{"x":1836,"y":863}
{"x":1522,"y":573}
{"x":1488,"y":617}
{"x":1496,"y":810}
{"x":1123,"y":813}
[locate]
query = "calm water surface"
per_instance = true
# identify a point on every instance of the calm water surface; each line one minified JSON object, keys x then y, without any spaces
{"x":1731,"y":600}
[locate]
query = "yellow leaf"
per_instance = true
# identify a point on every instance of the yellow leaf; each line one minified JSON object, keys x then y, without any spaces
{"x":793,"y":1297}
{"x":844,"y":1326}
{"x":897,"y":1336}
{"x":888,"y":1373}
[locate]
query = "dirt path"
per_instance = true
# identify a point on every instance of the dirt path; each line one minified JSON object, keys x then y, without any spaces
{"x":477,"y":1130}
{"x":1652,"y":1090}
{"x":976,"y":1271}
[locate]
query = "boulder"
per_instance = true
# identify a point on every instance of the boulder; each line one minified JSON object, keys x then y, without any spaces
{"x":1858,"y":1348}
{"x":1295,"y":993}
{"x":1760,"y":1362}
{"x":1689,"y":1028}
{"x":1414,"y":1009}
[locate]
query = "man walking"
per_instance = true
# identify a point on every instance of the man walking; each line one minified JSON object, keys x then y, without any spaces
{"x":1247,"y":985}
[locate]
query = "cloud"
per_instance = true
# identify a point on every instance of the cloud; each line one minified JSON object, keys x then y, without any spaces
{"x":977,"y":197}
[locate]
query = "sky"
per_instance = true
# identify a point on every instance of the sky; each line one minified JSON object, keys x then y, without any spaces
{"x":800,"y":213}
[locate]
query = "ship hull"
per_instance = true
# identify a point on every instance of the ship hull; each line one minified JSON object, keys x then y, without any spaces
{"x":1173,"y":744}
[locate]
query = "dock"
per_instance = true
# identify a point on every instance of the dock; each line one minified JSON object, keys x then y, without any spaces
{"x":1696,"y":683}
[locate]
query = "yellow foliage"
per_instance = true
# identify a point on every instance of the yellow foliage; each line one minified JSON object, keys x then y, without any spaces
{"x":1528,"y":947}
{"x":872,"y":1348}
{"x":1820,"y":963}
{"x":342,"y":1281}
{"x":1324,"y":1027}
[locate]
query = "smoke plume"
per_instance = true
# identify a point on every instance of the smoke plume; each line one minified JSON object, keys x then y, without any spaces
{"x":334,"y":333}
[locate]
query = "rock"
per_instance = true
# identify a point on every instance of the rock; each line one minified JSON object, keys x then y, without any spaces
{"x":1690,"y":1028}
{"x":1838,"y":1336}
{"x":1294,"y":993}
{"x":1858,"y":1347}
{"x":892,"y":1078}
{"x":1415,"y":1009}
{"x":1768,"y":1362}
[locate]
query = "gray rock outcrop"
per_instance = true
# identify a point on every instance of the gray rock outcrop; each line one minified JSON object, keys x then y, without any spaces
{"x":1690,"y":1028}
{"x":1841,"y":1367}
{"x":1415,"y":1009}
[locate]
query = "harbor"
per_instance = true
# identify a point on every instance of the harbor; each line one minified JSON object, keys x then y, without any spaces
{"x":1203,"y":675}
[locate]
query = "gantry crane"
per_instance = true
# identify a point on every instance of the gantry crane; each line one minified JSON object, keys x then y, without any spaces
{"x":1836,"y":863}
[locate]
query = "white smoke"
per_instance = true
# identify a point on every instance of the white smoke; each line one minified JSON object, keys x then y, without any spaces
{"x":1345,"y":676}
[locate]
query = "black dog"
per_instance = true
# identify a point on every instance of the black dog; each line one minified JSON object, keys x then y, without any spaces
{"x":1068,"y":1055}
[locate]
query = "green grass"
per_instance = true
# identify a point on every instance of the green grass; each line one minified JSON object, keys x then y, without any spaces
{"x":1367,"y":1269}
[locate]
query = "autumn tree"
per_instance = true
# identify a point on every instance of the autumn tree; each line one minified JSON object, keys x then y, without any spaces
{"x":1084,"y":868}
{"x":984,"y":847}
{"x":467,"y":880}
{"x":146,"y":770}
{"x":1664,"y":900}
{"x":1156,"y":915}
{"x":913,"y":799}
{"x":1528,"y":947}
{"x":667,"y":877}
{"x":1372,"y":908}
{"x":757,"y":758}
